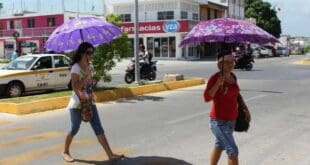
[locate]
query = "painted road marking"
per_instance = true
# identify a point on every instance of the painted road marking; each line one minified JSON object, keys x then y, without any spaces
{"x":29,"y":139}
{"x":26,"y":157}
{"x":190,"y":117}
{"x":13,"y":130}
{"x":255,"y":97}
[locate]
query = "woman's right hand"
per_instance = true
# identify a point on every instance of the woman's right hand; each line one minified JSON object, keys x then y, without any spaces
{"x":220,"y":80}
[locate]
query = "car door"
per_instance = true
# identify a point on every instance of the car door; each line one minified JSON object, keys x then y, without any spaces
{"x":61,"y":71}
{"x":44,"y":73}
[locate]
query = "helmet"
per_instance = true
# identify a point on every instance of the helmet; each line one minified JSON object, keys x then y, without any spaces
{"x":142,"y":47}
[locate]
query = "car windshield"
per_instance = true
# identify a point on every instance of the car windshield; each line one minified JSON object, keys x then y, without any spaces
{"x":21,"y":63}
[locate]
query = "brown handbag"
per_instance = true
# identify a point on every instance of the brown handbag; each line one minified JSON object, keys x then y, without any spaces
{"x":86,"y":111}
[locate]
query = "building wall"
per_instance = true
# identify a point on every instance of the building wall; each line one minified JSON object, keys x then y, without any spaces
{"x":148,"y":9}
{"x":40,"y":21}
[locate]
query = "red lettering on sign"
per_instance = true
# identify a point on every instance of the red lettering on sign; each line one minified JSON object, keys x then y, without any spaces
{"x":152,"y":27}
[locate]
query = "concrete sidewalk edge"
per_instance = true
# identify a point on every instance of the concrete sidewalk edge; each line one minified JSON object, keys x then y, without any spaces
{"x":304,"y":62}
{"x":100,"y":96}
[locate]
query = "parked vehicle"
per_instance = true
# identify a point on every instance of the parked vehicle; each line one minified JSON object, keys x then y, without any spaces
{"x":34,"y":72}
{"x":282,"y":51}
{"x":147,"y":71}
{"x":265,"y":52}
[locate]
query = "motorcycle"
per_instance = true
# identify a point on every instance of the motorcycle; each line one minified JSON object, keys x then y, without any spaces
{"x":147,"y":71}
{"x":244,"y":62}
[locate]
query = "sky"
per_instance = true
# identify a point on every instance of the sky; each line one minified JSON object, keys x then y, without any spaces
{"x":294,"y":14}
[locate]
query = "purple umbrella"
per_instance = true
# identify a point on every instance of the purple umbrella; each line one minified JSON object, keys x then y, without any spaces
{"x":227,"y":30}
{"x":72,"y":33}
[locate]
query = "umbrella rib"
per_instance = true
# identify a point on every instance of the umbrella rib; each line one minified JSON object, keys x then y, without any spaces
{"x":93,"y":41}
{"x":102,"y":34}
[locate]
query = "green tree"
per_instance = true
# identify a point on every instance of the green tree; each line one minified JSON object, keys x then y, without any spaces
{"x":266,"y":16}
{"x":106,"y":55}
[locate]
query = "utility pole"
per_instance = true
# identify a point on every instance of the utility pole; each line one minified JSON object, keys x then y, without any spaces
{"x":78,"y":9}
{"x":63,"y":5}
{"x":136,"y":48}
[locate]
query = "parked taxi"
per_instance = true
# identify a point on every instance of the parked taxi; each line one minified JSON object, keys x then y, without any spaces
{"x":35,"y":72}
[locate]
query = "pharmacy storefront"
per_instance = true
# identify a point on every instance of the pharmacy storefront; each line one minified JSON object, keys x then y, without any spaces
{"x":161,"y":38}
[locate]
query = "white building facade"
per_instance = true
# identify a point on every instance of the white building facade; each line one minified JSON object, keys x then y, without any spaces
{"x":162,"y":26}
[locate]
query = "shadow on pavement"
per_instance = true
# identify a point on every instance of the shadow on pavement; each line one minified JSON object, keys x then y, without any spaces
{"x":139,"y":98}
{"x":141,"y":160}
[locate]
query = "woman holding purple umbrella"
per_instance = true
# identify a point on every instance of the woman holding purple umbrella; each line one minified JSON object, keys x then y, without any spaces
{"x":223,"y":89}
{"x":81,"y":80}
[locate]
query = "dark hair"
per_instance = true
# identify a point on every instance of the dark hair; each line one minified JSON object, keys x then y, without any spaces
{"x":80,"y":51}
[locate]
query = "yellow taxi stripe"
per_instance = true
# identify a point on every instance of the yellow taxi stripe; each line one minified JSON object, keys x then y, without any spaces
{"x":29,"y":139}
{"x":26,"y":157}
{"x":13,"y":130}
{"x":34,"y":72}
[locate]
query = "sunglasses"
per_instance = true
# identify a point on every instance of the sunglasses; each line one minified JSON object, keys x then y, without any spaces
{"x":89,"y":52}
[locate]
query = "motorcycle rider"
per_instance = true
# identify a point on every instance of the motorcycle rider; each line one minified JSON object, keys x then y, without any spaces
{"x":147,"y":58}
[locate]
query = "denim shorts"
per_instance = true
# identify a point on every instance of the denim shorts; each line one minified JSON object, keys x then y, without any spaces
{"x":95,"y":123}
{"x":223,"y":132}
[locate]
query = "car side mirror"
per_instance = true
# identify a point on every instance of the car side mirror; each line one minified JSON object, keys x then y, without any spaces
{"x":35,"y":67}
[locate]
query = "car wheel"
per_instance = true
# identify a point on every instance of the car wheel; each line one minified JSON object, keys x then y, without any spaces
{"x":14,"y":89}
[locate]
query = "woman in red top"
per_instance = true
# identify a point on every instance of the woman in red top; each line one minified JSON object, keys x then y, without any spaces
{"x":223,"y":89}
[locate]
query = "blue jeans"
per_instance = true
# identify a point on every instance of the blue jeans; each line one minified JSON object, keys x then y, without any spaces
{"x":95,"y":123}
{"x":223,"y":132}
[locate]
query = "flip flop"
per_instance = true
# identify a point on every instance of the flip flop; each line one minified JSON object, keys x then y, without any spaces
{"x":67,"y":157}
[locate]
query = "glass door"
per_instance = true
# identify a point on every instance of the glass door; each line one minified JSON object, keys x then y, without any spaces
{"x":164,"y":47}
{"x":157,"y":45}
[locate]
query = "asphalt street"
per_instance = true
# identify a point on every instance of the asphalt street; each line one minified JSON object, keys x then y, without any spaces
{"x":171,"y":128}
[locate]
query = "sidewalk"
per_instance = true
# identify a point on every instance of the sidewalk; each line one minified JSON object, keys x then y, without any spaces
{"x":121,"y":66}
{"x":305,"y":61}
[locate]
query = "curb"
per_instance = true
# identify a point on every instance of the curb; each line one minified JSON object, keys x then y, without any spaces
{"x":100,"y":96}
{"x":304,"y":62}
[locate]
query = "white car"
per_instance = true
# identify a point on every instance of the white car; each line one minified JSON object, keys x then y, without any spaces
{"x":35,"y":72}
{"x":265,"y":52}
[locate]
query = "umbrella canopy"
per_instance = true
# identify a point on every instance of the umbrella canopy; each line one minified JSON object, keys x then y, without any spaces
{"x":72,"y":33}
{"x":227,"y":30}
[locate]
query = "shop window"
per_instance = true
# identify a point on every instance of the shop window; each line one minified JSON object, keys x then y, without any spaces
{"x":10,"y":24}
{"x":126,"y":17}
{"x":193,"y":51}
{"x":31,"y":23}
{"x":195,"y":16}
{"x":157,"y":45}
{"x":184,"y":15}
{"x":132,"y":45}
{"x":164,"y":47}
{"x":164,"y":15}
{"x":51,"y":21}
{"x":150,"y":45}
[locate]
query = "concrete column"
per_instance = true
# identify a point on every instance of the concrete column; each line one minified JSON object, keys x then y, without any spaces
{"x":178,"y":50}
